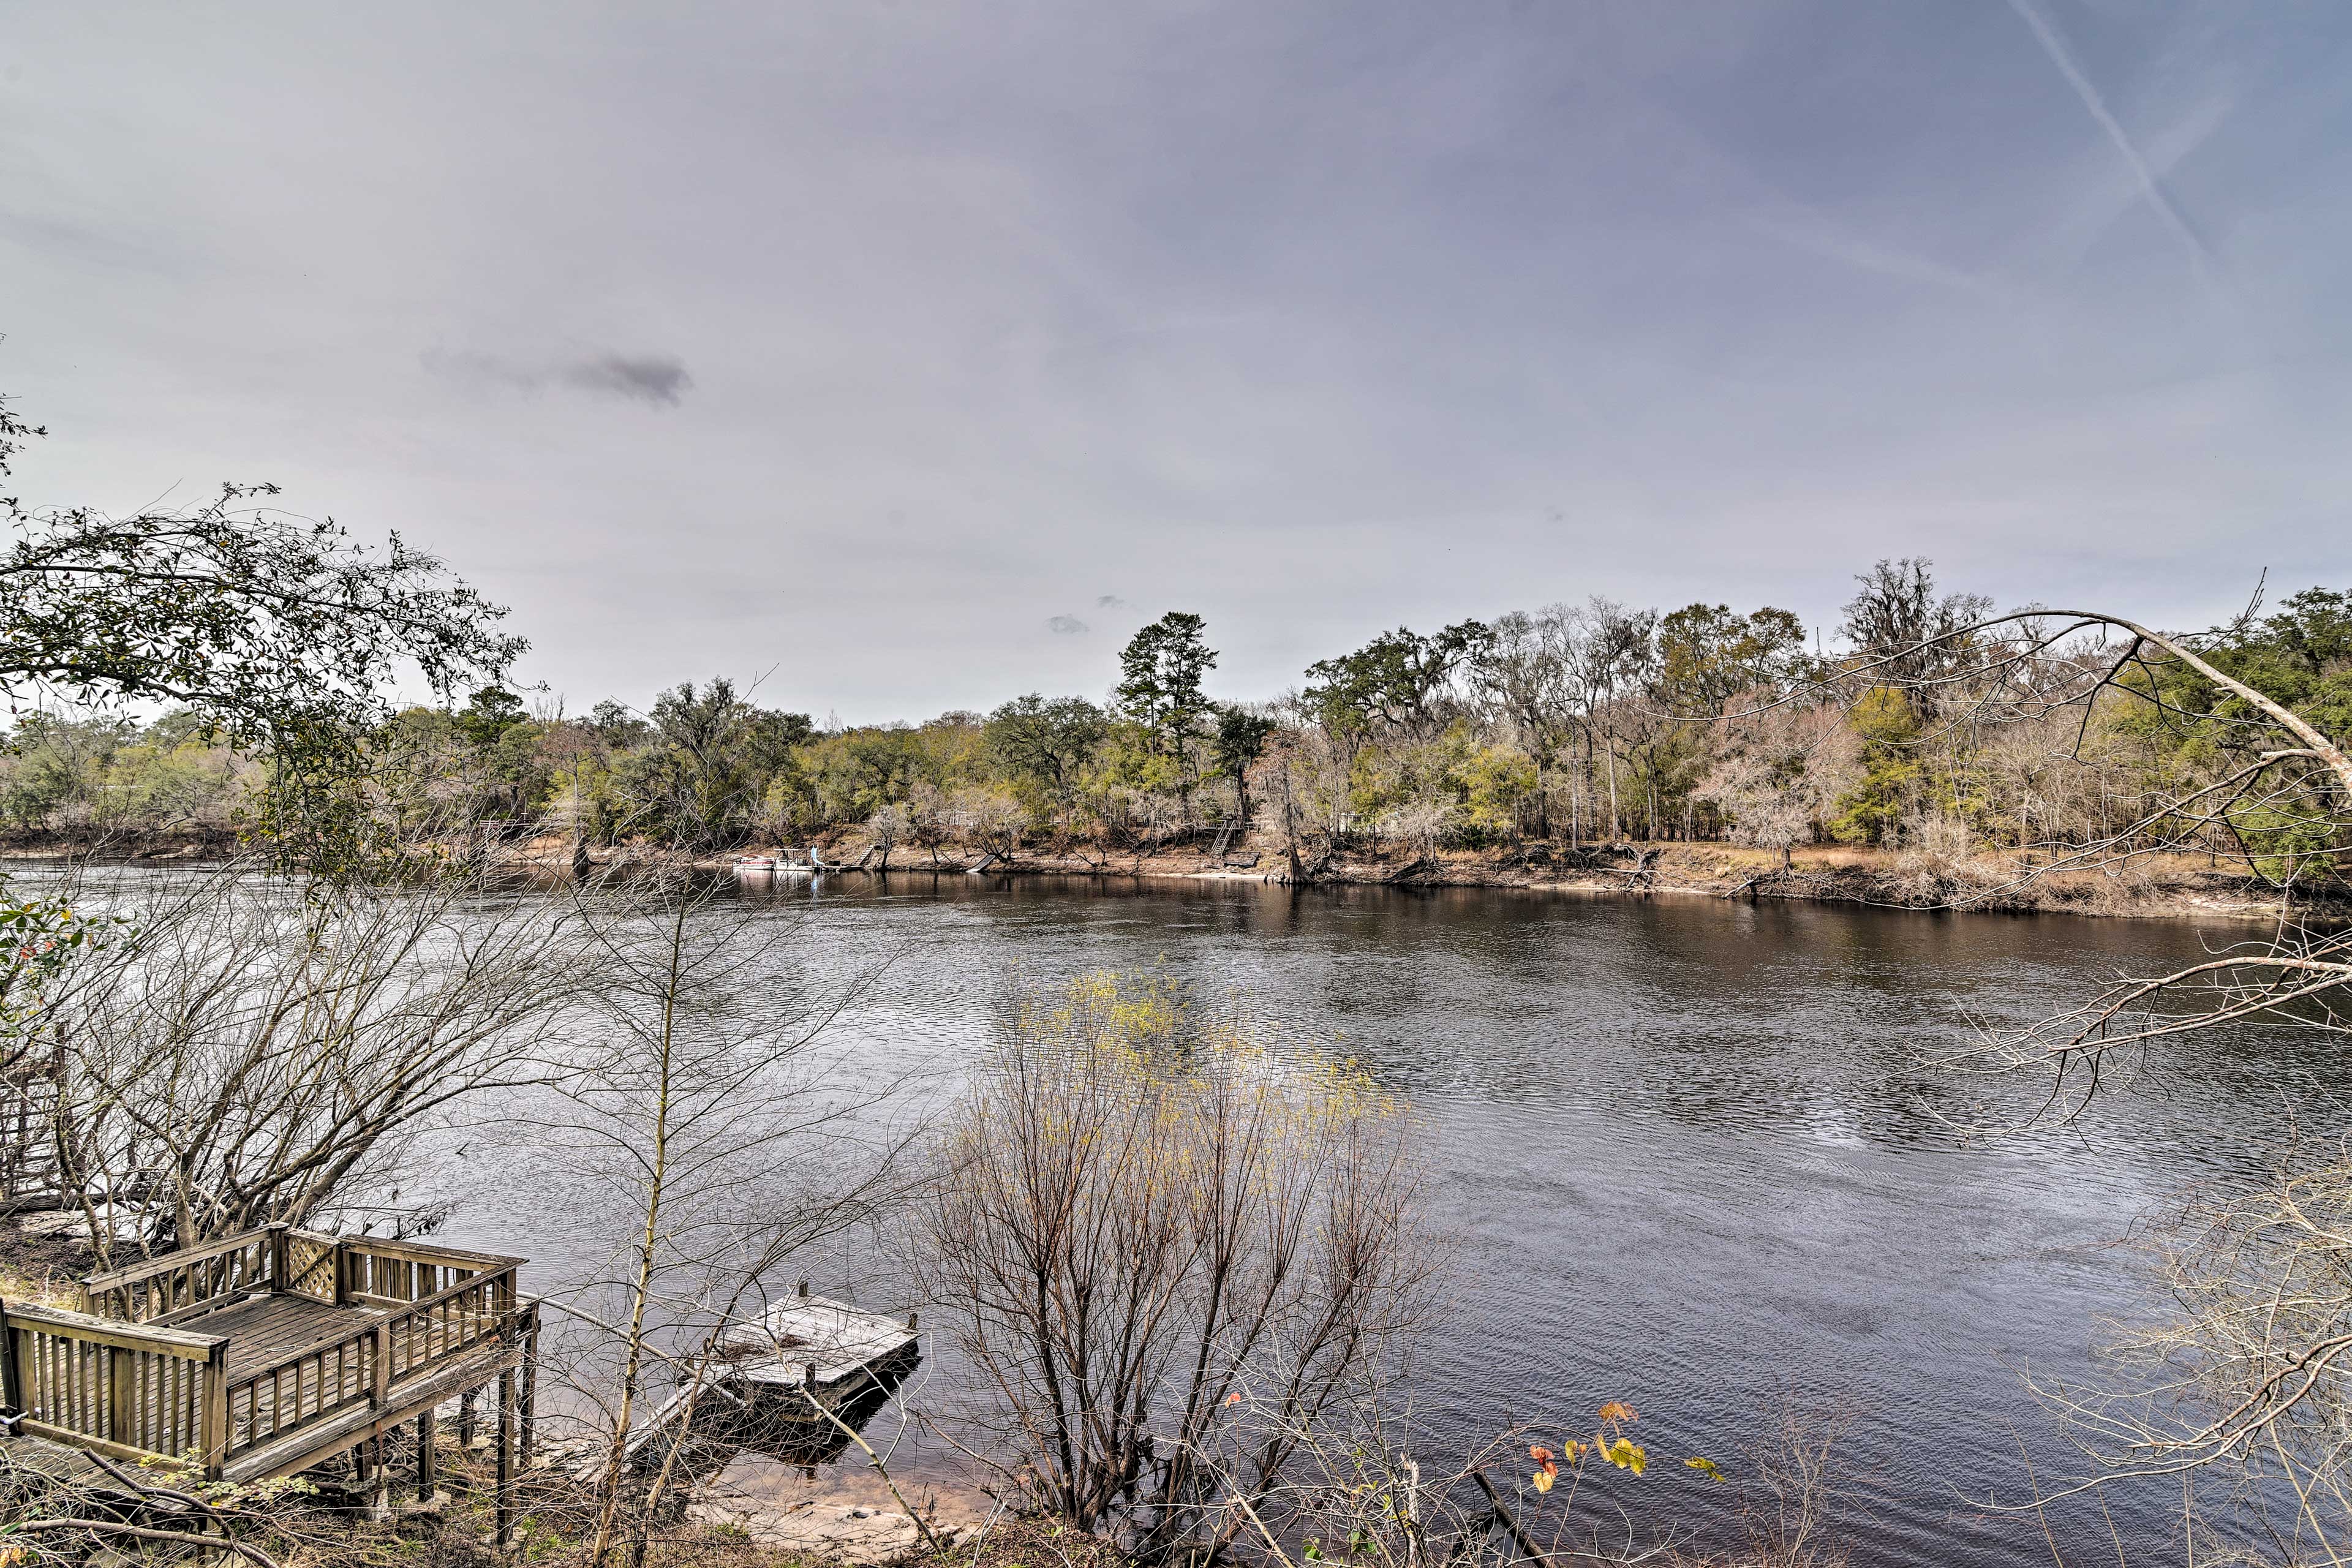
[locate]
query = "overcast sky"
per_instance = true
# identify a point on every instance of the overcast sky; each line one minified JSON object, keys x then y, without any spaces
{"x":920,"y":352}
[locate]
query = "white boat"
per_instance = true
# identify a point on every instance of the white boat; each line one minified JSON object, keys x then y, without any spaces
{"x":769,"y":866}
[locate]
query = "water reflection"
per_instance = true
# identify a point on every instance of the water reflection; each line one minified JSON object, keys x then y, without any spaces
{"x":727,"y":1428}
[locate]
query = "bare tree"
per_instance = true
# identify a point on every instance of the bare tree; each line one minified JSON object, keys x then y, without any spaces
{"x":1526,"y":670}
{"x":2239,"y":1391}
{"x":991,"y":818}
{"x":885,"y":827}
{"x":1610,"y":651}
{"x":266,"y":1050}
{"x":1141,"y":1219}
{"x":2249,"y":1374}
{"x":1777,"y":772}
{"x":704,"y":1107}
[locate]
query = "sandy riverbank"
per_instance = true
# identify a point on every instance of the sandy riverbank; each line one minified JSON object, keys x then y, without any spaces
{"x":2145,"y":886}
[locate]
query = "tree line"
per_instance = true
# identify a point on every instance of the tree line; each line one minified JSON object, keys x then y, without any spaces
{"x":1574,"y":724}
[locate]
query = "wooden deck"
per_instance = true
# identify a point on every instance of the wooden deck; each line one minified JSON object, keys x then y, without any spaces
{"x":267,"y":1353}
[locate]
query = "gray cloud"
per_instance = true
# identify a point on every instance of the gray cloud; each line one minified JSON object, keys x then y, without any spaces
{"x":648,"y":378}
{"x":658,"y":379}
{"x":1067,"y":626}
{"x":1110,"y":602}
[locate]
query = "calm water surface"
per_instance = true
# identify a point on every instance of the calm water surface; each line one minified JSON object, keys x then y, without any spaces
{"x":1686,"y":1146}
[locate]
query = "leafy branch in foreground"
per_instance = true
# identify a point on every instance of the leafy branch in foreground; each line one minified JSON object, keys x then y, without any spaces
{"x":282,"y":631}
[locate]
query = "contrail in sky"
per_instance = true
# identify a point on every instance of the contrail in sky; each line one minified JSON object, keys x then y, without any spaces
{"x":2208,"y":267}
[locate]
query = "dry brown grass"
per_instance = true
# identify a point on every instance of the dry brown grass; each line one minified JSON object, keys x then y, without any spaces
{"x":44,"y":1270}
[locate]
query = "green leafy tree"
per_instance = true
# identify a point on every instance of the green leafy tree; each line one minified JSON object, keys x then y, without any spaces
{"x":2189,"y":725}
{"x":1160,"y":673}
{"x":694,"y":783}
{"x":1241,"y":737}
{"x":1396,"y":678}
{"x":1892,"y":777}
{"x":1159,"y":691}
{"x":858,"y":771}
{"x":1047,"y":744}
{"x":488,"y":715}
{"x":615,"y":725}
{"x":1707,"y":655}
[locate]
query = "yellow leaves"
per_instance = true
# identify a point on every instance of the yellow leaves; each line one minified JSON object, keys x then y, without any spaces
{"x":1704,"y":1467}
{"x":1547,"y":1467}
{"x":1609,"y":1444}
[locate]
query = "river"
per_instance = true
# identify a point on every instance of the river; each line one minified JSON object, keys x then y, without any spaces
{"x":1686,"y":1145}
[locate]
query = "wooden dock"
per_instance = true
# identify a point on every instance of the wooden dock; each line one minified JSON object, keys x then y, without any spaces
{"x":788,"y":1382}
{"x":267,"y":1353}
{"x":811,"y":1342}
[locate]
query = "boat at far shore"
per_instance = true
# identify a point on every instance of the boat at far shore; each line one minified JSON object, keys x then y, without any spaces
{"x":777,"y":865}
{"x":781,"y":864}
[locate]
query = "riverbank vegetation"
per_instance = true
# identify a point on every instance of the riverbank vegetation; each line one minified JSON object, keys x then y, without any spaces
{"x":1536,"y":738}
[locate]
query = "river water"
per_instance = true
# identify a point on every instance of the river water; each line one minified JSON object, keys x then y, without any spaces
{"x":1687,"y":1147}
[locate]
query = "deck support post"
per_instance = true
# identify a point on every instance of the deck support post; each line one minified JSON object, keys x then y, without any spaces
{"x":426,"y":1476}
{"x":216,"y":1391}
{"x":506,"y":1508}
{"x":374,"y":1477}
{"x":380,"y":1392}
{"x":12,"y":1373}
{"x":530,"y":1385}
{"x":468,"y":1429}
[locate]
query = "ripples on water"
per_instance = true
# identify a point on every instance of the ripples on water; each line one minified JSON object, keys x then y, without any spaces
{"x":1686,"y":1146}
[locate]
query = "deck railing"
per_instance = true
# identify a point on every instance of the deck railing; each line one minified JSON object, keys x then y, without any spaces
{"x":396,"y":1273}
{"x":348,"y":1270}
{"x":187,"y":1282}
{"x":134,"y":1392}
{"x":309,"y":1265}
{"x":448,"y":1324}
{"x":304,"y":1388}
{"x":123,"y":1380}
{"x":364,"y":1366}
